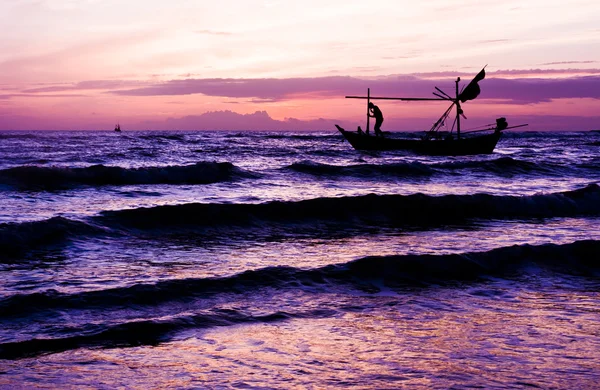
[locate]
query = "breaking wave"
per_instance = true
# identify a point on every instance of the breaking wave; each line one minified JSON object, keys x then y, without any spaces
{"x":16,"y":238}
{"x":129,"y":334}
{"x":501,"y":166}
{"x":35,"y":177}
{"x":366,"y":170}
{"x":505,"y":165}
{"x":416,"y":209}
{"x":327,"y":215}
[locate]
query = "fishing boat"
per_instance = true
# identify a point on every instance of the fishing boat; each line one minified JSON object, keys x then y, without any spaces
{"x":118,"y":128}
{"x":434,"y":141}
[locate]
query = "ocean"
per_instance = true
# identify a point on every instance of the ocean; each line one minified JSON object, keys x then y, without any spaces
{"x":290,"y":260}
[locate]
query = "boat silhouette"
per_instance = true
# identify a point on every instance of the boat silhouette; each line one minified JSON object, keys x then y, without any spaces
{"x":434,"y":141}
{"x":118,"y":127}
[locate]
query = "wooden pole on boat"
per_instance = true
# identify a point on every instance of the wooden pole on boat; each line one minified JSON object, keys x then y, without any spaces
{"x":458,"y":109}
{"x":509,"y":127}
{"x":368,"y":102}
{"x":399,"y":98}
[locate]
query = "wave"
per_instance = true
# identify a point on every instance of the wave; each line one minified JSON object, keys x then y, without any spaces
{"x":16,"y":238}
{"x":579,"y":257}
{"x":35,"y":177}
{"x":18,"y":135}
{"x":362,"y":170}
{"x":397,"y":210}
{"x":329,"y":215}
{"x":130,"y":334}
{"x":168,"y":137}
{"x":367,"y":274}
{"x":308,"y":137}
{"x":500,"y":166}
{"x":504,"y":165}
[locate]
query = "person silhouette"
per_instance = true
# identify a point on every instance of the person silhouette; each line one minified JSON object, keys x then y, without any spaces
{"x":375,"y":112}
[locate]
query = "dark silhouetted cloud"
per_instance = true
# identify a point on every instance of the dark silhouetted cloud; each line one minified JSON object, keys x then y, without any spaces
{"x":519,"y":90}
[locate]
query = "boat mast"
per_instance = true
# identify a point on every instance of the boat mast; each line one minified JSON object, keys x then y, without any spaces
{"x":368,"y":102}
{"x":458,"y":110}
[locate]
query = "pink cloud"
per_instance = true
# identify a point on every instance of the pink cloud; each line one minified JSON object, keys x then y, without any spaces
{"x":512,"y":73}
{"x":37,"y":95}
{"x":545,"y":73}
{"x":88,"y":85}
{"x":569,"y":62}
{"x":488,"y":41}
{"x":213,"y":32}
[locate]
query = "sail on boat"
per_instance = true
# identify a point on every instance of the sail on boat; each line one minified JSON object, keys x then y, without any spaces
{"x":436,"y":142}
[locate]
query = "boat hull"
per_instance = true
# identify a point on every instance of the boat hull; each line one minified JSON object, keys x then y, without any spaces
{"x":477,"y":144}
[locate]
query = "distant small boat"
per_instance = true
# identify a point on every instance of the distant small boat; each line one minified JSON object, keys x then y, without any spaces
{"x":434,"y":142}
{"x":118,"y":128}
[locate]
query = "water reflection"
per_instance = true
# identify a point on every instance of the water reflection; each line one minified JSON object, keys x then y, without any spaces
{"x":496,"y":334}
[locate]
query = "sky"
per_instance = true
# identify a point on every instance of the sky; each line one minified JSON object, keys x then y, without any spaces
{"x":288,"y":65}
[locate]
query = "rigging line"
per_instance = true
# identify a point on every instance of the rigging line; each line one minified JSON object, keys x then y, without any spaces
{"x":444,"y":93}
{"x":442,"y":119}
{"x":481,"y":126}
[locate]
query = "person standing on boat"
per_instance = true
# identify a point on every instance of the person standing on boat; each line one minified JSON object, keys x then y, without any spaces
{"x":375,"y":112}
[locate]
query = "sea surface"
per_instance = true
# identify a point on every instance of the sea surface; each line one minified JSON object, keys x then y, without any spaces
{"x":290,"y":260}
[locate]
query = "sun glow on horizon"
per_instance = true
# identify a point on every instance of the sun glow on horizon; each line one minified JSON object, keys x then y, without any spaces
{"x":88,"y":58}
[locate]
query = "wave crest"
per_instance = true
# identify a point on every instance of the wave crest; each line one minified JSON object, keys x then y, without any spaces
{"x":500,"y":166}
{"x":35,"y":177}
{"x":366,"y":274}
{"x":416,"y":209}
{"x":366,"y":170}
{"x":579,"y":257}
{"x":354,"y":212}
{"x":16,"y":238}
